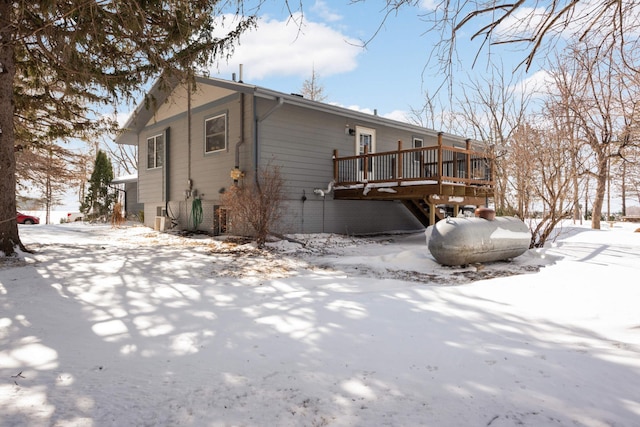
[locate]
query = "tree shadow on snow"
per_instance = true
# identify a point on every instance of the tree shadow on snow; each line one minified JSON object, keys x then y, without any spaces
{"x":156,"y":336}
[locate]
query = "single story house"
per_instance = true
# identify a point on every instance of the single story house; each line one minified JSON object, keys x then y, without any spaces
{"x":344,"y":171}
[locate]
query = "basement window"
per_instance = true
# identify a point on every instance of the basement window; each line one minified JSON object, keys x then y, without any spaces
{"x":215,"y":134}
{"x":220,"y":220}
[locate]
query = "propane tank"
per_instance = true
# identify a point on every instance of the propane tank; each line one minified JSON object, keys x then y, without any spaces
{"x":460,"y":241}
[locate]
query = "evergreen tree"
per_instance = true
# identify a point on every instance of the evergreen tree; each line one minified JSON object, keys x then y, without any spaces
{"x":59,"y":59}
{"x":100,"y":196}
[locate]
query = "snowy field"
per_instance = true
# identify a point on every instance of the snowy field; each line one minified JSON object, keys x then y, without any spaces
{"x":129,"y":327}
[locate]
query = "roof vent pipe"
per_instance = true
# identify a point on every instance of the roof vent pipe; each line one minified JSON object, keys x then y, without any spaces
{"x":233,"y":76}
{"x":240,"y":79}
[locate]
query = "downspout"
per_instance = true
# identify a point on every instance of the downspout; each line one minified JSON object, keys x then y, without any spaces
{"x":257,"y":121}
{"x":242,"y":123}
{"x":165,"y":169}
{"x":241,"y":141}
{"x":189,"y":182}
{"x":189,"y":128}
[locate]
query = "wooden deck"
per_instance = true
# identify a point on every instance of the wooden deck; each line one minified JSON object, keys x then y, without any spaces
{"x":428,"y":180}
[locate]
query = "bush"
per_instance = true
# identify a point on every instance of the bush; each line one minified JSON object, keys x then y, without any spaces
{"x":256,"y":208}
{"x":117,"y":219}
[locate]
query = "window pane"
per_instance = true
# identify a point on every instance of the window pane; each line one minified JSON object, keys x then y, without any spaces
{"x":215,"y":143}
{"x":365,"y":141}
{"x":159,"y":150}
{"x":216,"y":134}
{"x":417,"y":143}
{"x":151,"y":152}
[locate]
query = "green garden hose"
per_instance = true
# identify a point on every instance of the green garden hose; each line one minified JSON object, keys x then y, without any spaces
{"x":196,"y":213}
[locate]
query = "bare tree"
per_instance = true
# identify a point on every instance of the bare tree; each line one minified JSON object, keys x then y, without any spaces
{"x":587,"y":87}
{"x":312,"y":88}
{"x":124,"y":158}
{"x":48,"y":168}
{"x":493,"y":108}
{"x":536,"y":25}
{"x":549,"y":176}
{"x":626,"y":159}
{"x":256,"y":207}
{"x":434,"y":115}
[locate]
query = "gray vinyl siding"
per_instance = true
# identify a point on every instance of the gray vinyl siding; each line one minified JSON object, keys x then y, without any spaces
{"x":133,"y":206}
{"x":346,"y":216}
{"x":150,"y":188}
{"x":209,"y":172}
{"x":301,"y":142}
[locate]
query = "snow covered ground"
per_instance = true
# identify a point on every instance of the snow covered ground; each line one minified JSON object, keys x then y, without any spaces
{"x":129,"y":327}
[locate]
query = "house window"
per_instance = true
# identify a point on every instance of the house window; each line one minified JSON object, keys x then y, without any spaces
{"x":155,"y":151}
{"x":417,"y":143}
{"x":365,"y":140}
{"x":215,"y":134}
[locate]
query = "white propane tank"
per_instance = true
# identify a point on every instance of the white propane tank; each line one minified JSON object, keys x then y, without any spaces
{"x":460,"y":241}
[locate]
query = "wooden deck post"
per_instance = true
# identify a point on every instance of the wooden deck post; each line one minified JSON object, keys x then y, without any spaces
{"x":439,"y":174}
{"x":432,"y":213}
{"x":366,"y":163}
{"x":335,"y":165}
{"x":400,"y":162}
{"x":468,"y":160}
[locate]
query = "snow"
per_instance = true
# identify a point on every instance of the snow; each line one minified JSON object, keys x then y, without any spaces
{"x":129,"y":327}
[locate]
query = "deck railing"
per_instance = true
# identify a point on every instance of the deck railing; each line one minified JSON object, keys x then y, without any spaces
{"x":434,"y":165}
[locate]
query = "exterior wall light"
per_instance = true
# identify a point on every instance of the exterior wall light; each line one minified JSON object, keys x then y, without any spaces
{"x":236,"y":174}
{"x":348,"y":130}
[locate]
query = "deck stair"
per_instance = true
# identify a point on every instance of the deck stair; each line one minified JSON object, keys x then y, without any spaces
{"x":421,"y":209}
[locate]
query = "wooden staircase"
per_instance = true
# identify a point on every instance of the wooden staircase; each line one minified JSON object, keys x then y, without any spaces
{"x":421,"y":209}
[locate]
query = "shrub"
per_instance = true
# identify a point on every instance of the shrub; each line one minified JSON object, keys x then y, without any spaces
{"x":255,"y":208}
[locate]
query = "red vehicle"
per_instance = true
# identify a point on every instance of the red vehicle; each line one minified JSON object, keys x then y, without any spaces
{"x":26,"y":219}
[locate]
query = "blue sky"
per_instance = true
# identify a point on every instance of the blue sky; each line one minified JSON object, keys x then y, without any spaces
{"x":390,"y":74}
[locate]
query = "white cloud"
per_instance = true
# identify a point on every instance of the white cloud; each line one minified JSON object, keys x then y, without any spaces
{"x":526,"y":21}
{"x":353,"y":107}
{"x":534,"y":84}
{"x":291,"y":47}
{"x":428,"y":4}
{"x":521,"y":24}
{"x":122,"y":117}
{"x":399,"y":115}
{"x":325,"y":12}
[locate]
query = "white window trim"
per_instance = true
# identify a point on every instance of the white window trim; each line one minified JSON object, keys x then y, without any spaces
{"x":226,"y":138}
{"x":361,"y":130}
{"x":155,"y":150}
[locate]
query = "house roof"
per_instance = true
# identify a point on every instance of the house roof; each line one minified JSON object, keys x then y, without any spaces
{"x":125,"y":179}
{"x":160,"y":92}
